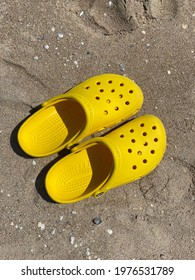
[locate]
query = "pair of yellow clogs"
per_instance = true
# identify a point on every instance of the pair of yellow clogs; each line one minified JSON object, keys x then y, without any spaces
{"x":97,"y":165}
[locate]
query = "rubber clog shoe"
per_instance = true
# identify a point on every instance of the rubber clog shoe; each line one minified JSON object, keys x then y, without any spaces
{"x":103,"y":163}
{"x":91,"y":106}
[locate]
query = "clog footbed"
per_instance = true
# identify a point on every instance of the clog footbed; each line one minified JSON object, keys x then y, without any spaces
{"x":102,"y":163}
{"x":95,"y":104}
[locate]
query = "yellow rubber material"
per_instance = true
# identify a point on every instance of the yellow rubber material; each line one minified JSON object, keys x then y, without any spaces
{"x":91,"y":106}
{"x":102,"y":163}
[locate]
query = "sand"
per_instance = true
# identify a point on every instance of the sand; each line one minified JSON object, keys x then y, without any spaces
{"x":47,"y":47}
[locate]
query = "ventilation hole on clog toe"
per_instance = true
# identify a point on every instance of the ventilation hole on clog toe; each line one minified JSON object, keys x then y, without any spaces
{"x":154,"y":127}
{"x":152,"y":151}
{"x":116,"y":108}
{"x":97,"y":98}
{"x":131,"y":91}
{"x":144,"y":134}
{"x":87,"y":87}
{"x":105,"y":112}
{"x":110,"y":82}
{"x":134,"y":167}
{"x":101,"y":90}
{"x":108,"y":100}
{"x":155,"y":139}
{"x":131,"y":130}
{"x":142,"y":124}
{"x":122,"y":136}
{"x":121,"y":84}
{"x":98,"y":83}
{"x":133,"y":140}
{"x":146,"y":144}
{"x":120,"y":96}
{"x":139,"y":153}
{"x":129,"y":151}
{"x":127,"y":103}
{"x":112,"y":90}
{"x":145,"y":161}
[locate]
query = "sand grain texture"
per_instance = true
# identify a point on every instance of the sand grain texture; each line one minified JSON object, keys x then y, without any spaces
{"x":151,"y":42}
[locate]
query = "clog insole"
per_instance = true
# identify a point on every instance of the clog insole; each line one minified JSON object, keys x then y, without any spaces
{"x":52,"y":127}
{"x":79,"y":173}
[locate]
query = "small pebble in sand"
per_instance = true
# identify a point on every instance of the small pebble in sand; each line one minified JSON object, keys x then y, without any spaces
{"x":88,"y":252}
{"x":169,"y":72}
{"x":109,"y":231}
{"x":143,"y":32}
{"x":41,"y":226}
{"x":60,"y":35}
{"x":81,"y":14}
{"x":72,"y":240}
{"x":46,"y":47}
{"x":76,"y":63}
{"x":35,"y":58}
{"x":74,"y":212}
{"x":184,"y":26}
{"x":110,"y":3}
{"x":53,"y":231}
{"x":53,"y":28}
{"x":34,"y":162}
{"x":122,"y":67}
{"x":61,"y":218}
{"x":97,"y":221}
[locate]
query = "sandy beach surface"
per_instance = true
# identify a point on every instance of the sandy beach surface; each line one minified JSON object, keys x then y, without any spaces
{"x":46,"y":48}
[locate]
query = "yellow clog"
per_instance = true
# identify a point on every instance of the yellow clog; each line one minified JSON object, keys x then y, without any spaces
{"x":91,"y":106}
{"x":102,"y":163}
